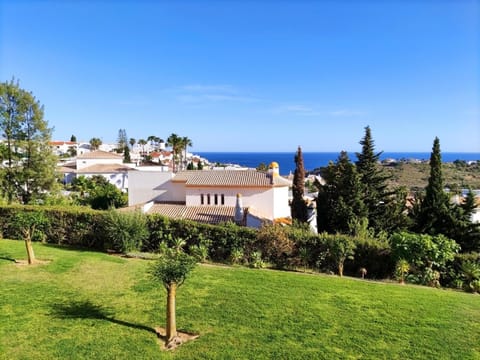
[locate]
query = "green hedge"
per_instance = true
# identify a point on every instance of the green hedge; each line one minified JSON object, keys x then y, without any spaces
{"x":79,"y":226}
{"x":74,"y":226}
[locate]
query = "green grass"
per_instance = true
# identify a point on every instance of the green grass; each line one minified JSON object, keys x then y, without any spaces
{"x":87,"y":305}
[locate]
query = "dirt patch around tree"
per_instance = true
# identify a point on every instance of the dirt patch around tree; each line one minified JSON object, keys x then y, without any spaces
{"x":182,"y":338}
{"x":24,"y":262}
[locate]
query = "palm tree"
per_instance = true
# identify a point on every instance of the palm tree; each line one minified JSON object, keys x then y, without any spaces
{"x":142,"y":142}
{"x":176,"y":143}
{"x":132,"y":142}
{"x":186,"y":142}
{"x":95,"y":143}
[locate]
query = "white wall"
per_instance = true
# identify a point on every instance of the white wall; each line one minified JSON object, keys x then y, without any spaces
{"x":83,"y":163}
{"x":270,"y":203}
{"x":120,"y":180}
{"x":145,"y":186}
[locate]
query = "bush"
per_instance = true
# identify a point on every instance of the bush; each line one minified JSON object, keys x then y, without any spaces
{"x":125,"y":232}
{"x":276,"y":246}
{"x":427,"y":255}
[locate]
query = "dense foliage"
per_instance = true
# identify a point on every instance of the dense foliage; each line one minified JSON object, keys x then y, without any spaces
{"x":28,"y":173}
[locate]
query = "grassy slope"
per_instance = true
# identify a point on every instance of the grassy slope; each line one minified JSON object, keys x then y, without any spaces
{"x":91,"y":305}
{"x":416,"y":175}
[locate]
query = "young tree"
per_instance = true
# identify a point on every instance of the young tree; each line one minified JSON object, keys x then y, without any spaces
{"x":26,"y":222}
{"x":299,"y":207}
{"x":172,"y":269}
{"x":30,"y":170}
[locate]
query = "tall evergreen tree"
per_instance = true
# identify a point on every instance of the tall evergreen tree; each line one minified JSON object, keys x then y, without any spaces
{"x":122,"y":139}
{"x":299,"y":207}
{"x":340,"y":204}
{"x":30,"y":172}
{"x":376,"y":195}
{"x":434,"y":214}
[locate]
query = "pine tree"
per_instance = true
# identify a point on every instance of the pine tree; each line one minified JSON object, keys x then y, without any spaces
{"x":299,"y":207}
{"x":376,"y":195}
{"x":30,"y":173}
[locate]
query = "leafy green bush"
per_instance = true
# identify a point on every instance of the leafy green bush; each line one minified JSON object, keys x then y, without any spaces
{"x":123,"y":231}
{"x":427,"y":255}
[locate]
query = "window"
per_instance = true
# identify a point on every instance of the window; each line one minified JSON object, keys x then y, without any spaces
{"x":202,"y":199}
{"x":208,"y":199}
{"x":222,"y":199}
{"x":216,"y":199}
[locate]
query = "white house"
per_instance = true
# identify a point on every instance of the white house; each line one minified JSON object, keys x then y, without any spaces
{"x":107,"y":164}
{"x":213,"y":195}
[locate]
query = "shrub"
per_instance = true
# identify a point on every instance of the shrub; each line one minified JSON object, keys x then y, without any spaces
{"x":275,"y":245}
{"x":427,"y":255}
{"x":125,"y":232}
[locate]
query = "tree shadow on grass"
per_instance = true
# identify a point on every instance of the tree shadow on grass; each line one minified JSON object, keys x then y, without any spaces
{"x":88,"y":310}
{"x":5,"y":256}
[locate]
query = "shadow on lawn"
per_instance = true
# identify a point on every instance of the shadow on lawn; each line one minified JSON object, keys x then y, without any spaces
{"x":89,"y":310}
{"x":5,"y":256}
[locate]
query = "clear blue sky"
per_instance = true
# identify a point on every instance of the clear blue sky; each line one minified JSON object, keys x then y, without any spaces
{"x":252,"y":75}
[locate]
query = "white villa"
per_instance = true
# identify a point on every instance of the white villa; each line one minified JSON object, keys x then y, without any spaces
{"x":213,"y":196}
{"x":106,"y":164}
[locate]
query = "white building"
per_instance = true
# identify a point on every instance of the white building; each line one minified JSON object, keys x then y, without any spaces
{"x":107,"y":164}
{"x":212,"y":195}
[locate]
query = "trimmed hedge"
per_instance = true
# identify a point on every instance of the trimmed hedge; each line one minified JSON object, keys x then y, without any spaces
{"x":80,"y":226}
{"x":74,"y":226}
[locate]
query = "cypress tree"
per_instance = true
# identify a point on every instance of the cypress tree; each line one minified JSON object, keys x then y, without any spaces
{"x":435,"y":216}
{"x":298,"y":207}
{"x":376,"y":195}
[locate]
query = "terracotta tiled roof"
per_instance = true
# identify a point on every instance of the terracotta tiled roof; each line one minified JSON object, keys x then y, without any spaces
{"x":205,"y":214}
{"x":229,"y":178}
{"x":104,"y":168}
{"x":62,"y":143}
{"x":99,"y":155}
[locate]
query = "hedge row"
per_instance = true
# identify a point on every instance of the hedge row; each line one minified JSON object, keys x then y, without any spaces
{"x":281,"y":247}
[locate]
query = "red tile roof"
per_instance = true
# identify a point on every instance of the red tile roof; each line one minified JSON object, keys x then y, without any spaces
{"x":230,"y":178}
{"x":205,"y":214}
{"x":99,"y":155}
{"x":104,"y":168}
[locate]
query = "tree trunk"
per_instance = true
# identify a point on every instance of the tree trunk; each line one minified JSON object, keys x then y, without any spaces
{"x":340,"y":269}
{"x":171,"y":320}
{"x":30,"y":253}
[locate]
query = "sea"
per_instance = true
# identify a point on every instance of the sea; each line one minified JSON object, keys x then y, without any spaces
{"x":314,"y":160}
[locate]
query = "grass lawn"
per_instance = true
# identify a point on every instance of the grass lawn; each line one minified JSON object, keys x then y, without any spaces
{"x":88,"y":305}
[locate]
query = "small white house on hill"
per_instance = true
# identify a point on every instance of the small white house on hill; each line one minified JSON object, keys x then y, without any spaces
{"x":107,"y":164}
{"x":213,"y":195}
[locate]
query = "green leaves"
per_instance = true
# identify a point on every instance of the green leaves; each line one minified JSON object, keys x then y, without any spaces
{"x":172,"y":267}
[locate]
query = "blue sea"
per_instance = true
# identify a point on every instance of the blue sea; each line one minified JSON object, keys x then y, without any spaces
{"x":313,"y":160}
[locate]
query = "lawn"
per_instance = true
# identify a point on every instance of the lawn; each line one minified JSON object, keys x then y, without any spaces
{"x":89,"y":305}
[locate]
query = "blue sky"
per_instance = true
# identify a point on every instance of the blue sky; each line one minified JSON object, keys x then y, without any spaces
{"x":252,"y":75}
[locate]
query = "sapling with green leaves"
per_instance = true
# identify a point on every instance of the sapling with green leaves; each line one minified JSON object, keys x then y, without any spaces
{"x":172,"y":268}
{"x":26,"y":223}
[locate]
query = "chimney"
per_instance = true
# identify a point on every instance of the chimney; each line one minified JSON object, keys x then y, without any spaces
{"x":239,"y":214}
